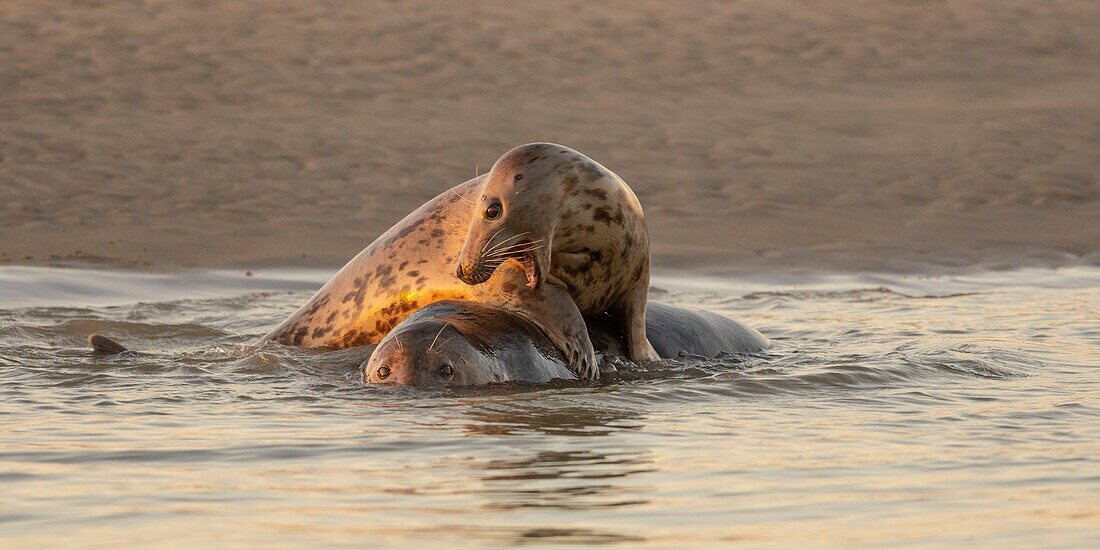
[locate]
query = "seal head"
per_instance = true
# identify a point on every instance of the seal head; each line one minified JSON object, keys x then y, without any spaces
{"x":426,"y":354}
{"x":516,"y":215}
{"x":574,"y":226}
{"x":462,"y":343}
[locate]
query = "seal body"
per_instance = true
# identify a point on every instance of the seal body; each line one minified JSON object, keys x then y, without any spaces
{"x":675,"y":330}
{"x":461,"y":343}
{"x":407,"y":267}
{"x":571,"y":224}
{"x":410,"y":266}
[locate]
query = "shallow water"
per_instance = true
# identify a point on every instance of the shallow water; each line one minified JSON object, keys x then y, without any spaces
{"x":920,"y":411}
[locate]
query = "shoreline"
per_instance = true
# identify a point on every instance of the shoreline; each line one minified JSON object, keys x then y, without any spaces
{"x":91,"y":285}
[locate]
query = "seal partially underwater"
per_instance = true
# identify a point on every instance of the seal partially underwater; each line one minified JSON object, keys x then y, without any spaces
{"x":460,"y":343}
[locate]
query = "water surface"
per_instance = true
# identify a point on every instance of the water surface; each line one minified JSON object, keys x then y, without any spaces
{"x":916,"y":410}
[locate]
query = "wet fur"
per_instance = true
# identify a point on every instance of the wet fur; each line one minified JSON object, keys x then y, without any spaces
{"x":593,"y":227}
{"x":601,"y":264}
{"x":511,"y":349}
{"x":403,"y":270}
{"x":411,"y":266}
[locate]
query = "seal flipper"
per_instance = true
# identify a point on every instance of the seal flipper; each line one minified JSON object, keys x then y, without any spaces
{"x":632,"y":316}
{"x":103,"y":344}
{"x":552,"y":309}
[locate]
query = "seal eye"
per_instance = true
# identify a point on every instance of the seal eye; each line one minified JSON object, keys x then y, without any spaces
{"x":446,"y":371}
{"x":493,"y":211}
{"x":382,"y":372}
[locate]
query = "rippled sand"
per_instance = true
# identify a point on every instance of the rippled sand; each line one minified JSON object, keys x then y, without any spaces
{"x":923,"y":411}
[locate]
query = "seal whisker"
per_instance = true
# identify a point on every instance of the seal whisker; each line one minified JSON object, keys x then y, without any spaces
{"x":501,"y":243}
{"x":437,"y":335}
{"x":515,"y":254}
{"x":512,"y":238}
{"x":508,"y":249}
{"x":486,"y":245}
{"x":512,"y":252}
{"x":499,"y":247}
{"x":455,"y":193}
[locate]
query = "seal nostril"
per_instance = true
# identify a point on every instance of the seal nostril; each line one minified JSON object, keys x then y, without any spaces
{"x":447,"y":371}
{"x":382,"y":372}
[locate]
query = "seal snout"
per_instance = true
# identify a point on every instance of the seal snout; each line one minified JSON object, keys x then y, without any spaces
{"x":473,"y":275}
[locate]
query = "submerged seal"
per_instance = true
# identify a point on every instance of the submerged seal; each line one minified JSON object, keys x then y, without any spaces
{"x":572,"y":225}
{"x":413,"y":264}
{"x":460,"y":343}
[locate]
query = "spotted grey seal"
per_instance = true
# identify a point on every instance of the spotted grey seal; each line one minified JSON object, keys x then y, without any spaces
{"x":572,"y":224}
{"x":413,"y":264}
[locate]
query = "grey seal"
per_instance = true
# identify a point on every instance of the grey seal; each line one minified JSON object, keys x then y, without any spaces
{"x":462,"y":343}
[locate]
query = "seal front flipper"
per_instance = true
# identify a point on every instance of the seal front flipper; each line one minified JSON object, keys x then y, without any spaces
{"x":632,"y":315}
{"x":104,"y":345}
{"x":552,"y":310}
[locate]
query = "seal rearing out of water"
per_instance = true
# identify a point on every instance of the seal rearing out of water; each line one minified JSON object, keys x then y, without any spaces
{"x":413,"y":263}
{"x":572,"y":225}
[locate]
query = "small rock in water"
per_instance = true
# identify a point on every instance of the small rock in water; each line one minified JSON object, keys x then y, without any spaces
{"x":248,"y":273}
{"x":102,"y":344}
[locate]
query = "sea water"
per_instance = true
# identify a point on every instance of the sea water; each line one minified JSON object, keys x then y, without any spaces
{"x":900,"y":409}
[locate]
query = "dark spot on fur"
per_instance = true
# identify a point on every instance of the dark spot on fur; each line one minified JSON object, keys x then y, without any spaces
{"x":354,"y":338}
{"x":602,"y":214}
{"x":413,"y":273}
{"x":405,"y":231}
{"x":437,"y":233}
{"x":628,"y":246}
{"x":317,"y":304}
{"x":570,"y":185}
{"x":598,"y":193}
{"x":299,"y":335}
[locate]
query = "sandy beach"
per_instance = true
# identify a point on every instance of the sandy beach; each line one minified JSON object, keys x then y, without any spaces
{"x":913,"y":136}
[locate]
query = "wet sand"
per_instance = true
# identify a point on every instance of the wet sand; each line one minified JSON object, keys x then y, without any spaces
{"x":920,"y":136}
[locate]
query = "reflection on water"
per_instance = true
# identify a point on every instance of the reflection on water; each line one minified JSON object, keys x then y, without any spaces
{"x":925,"y":411}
